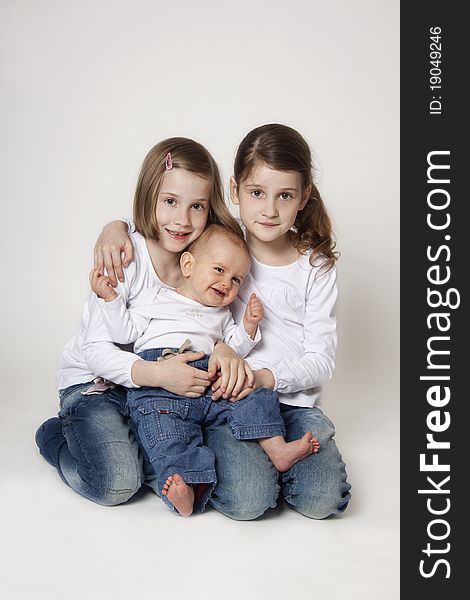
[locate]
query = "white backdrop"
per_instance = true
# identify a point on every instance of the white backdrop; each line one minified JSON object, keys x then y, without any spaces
{"x":87,"y":88}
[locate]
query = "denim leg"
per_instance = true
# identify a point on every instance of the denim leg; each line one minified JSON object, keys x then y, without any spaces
{"x":246,"y":479}
{"x":315,"y":486}
{"x":169,"y":430}
{"x":100,"y":459}
{"x":257,"y":416}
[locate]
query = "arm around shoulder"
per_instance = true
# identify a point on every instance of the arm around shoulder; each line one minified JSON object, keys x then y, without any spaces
{"x":114,"y":250}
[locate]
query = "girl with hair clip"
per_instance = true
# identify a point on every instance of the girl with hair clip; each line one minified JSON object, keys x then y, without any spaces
{"x":179,"y":192}
{"x":293,"y":273}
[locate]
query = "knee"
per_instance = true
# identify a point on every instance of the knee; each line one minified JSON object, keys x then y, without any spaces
{"x":116,"y":476}
{"x":319,"y":501}
{"x":247,"y":482}
{"x":246,"y":510}
{"x":317,"y":487}
{"x":246,"y":500}
{"x":112,"y":498}
{"x":114,"y":491}
{"x":320,"y":507}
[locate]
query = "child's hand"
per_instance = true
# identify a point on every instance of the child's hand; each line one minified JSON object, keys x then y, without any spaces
{"x":174,"y":375}
{"x":263,"y":378}
{"x":254,"y":311}
{"x":228,"y":371}
{"x":101,"y":285}
{"x":114,"y":250}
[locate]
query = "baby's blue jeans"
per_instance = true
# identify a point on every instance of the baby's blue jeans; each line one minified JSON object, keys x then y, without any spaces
{"x":169,"y":428}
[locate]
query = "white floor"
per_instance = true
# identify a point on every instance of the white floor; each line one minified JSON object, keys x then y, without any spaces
{"x":57,"y":545}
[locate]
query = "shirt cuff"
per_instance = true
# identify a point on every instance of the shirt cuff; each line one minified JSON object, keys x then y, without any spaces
{"x":113,"y":305}
{"x":276,"y":381}
{"x":129,"y":374}
{"x":130,"y":225}
{"x":246,"y":343}
{"x":257,"y":337}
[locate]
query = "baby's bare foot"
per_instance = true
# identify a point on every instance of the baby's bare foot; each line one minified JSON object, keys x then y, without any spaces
{"x":180,"y":494}
{"x":284,"y":454}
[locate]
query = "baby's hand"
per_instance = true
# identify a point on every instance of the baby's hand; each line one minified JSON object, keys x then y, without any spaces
{"x":254,"y":311}
{"x":101,"y":285}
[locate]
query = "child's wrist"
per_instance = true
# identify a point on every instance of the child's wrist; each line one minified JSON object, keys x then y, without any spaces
{"x":266,"y":378}
{"x":107,"y":298}
{"x":250,"y":328}
{"x":110,"y":298}
{"x":117,"y":224}
{"x":145,"y":373}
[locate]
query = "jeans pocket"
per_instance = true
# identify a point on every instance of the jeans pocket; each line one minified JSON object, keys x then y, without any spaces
{"x":70,"y":397}
{"x":163,"y":419}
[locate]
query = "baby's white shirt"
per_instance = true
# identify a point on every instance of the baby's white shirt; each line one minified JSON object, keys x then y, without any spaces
{"x":162,"y":318}
{"x":93,"y":353}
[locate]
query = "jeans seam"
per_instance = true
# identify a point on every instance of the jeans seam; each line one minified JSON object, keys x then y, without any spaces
{"x":253,"y":432}
{"x":292,"y":487}
{"x":78,"y":439}
{"x":200,"y":476}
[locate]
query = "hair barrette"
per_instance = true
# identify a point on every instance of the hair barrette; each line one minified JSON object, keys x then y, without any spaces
{"x":168,"y":162}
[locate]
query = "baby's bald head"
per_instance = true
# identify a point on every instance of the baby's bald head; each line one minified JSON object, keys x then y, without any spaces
{"x":217,"y":235}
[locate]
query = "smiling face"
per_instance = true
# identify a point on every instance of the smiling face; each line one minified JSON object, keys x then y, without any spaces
{"x":269,"y":201}
{"x":182,"y":209}
{"x":214,"y":273}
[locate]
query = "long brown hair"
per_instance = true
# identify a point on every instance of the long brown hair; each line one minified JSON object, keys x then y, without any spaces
{"x":185,"y":154}
{"x":284,"y":149}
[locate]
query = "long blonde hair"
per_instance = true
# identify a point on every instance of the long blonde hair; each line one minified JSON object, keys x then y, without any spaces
{"x":284,"y":149}
{"x":185,"y":154}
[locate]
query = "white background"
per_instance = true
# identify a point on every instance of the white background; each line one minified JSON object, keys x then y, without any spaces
{"x":87,"y":88}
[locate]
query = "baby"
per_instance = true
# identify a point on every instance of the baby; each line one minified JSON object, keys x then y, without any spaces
{"x":158,"y":321}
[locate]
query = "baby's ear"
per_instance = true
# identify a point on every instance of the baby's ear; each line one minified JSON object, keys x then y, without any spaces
{"x":234,"y":190}
{"x":186,"y":263}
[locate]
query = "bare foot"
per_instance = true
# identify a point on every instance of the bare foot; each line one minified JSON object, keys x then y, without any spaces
{"x":180,"y":494}
{"x":284,"y":454}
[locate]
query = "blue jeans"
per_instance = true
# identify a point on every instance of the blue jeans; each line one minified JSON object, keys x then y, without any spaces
{"x":101,"y":459}
{"x":169,"y":428}
{"x":248,"y":484}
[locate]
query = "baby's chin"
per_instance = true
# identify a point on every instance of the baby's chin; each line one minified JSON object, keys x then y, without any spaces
{"x":212,"y":298}
{"x":223,"y":302}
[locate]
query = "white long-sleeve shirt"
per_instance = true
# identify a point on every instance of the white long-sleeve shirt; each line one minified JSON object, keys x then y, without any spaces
{"x":162,"y":318}
{"x":81,"y":362}
{"x":299,"y":326}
